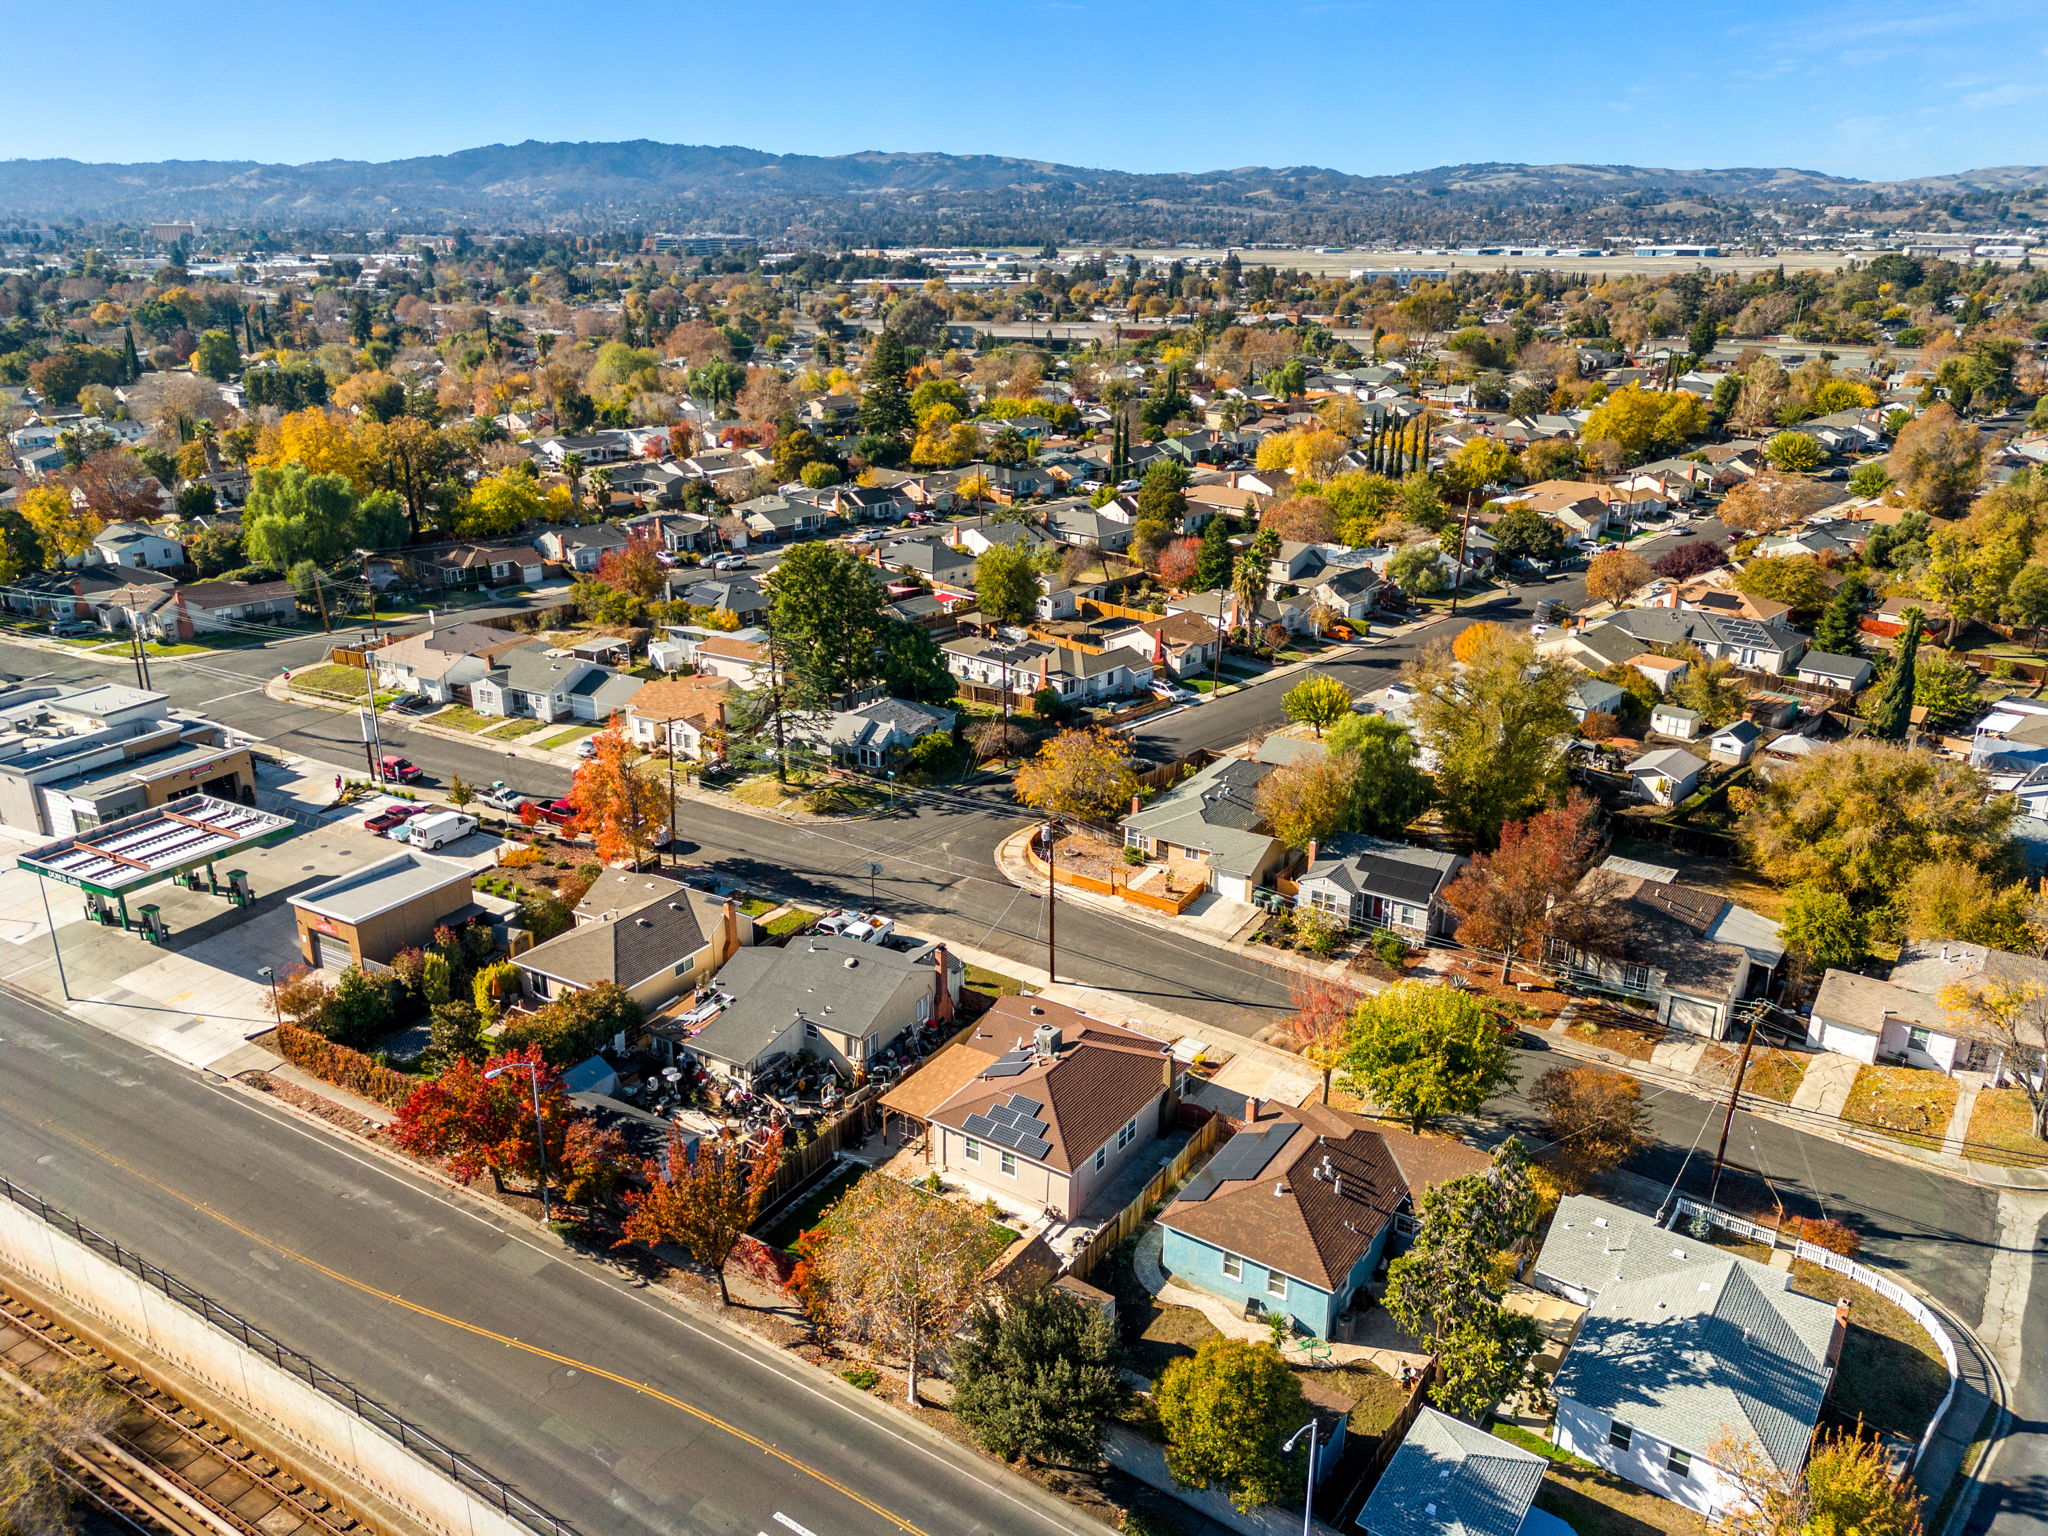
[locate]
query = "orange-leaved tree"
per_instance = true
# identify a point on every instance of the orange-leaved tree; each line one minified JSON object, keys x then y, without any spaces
{"x":1321,"y":1023}
{"x":634,"y":568}
{"x":622,"y":806}
{"x":485,"y":1124}
{"x":702,"y":1198}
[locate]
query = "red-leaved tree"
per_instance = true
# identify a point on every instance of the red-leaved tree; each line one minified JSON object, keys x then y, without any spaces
{"x":702,"y":1199}
{"x":634,"y":568}
{"x":483,"y":1124}
{"x":1177,"y":563}
{"x":1535,"y":886}
{"x":1321,"y":1023}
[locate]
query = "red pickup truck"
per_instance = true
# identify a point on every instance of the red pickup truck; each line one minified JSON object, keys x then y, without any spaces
{"x":397,"y":768}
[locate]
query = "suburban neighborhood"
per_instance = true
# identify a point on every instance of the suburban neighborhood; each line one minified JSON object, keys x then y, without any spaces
{"x":748,"y":881}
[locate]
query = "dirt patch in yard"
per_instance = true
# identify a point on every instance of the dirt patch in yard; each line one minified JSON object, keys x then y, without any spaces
{"x":1773,"y":1074}
{"x":1618,"y":1033}
{"x":1904,"y":1103}
{"x":1597,"y":1504}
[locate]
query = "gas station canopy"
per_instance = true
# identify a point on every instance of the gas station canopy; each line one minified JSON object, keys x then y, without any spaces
{"x":134,"y":851}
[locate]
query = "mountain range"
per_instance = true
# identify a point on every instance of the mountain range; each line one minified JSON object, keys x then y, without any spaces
{"x":940,"y":197}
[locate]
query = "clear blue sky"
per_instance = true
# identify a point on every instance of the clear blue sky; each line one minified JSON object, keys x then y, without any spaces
{"x":1874,"y":88}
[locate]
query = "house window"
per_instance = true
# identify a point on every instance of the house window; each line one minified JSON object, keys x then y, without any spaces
{"x":1009,"y":1165}
{"x":1233,"y":1267}
{"x":1679,"y":1463}
{"x":971,"y":1150}
{"x":1916,"y":1039}
{"x":1619,"y":1435}
{"x":1101,"y":1156}
{"x":1635,"y":977}
{"x":1128,"y":1134}
{"x":810,"y":1031}
{"x":1276,"y":1285}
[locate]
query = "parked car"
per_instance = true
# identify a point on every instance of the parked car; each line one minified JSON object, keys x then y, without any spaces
{"x":391,"y":817}
{"x":586,"y":749}
{"x":71,"y":629}
{"x":398,"y":768}
{"x":428,"y":833}
{"x":501,"y":797}
{"x":726,"y":562}
{"x":414,"y":704}
{"x":1173,"y":693}
{"x":560,"y":812}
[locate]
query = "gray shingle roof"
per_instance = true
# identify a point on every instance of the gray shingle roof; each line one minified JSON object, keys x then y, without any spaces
{"x":1449,"y":1479}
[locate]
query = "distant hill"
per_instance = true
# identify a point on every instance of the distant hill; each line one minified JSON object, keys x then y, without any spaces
{"x":937,"y":197}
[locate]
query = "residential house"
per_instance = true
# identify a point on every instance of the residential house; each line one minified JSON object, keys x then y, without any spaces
{"x":137,"y":545}
{"x":600,"y":694}
{"x":877,"y":734}
{"x":1904,"y":1018}
{"x":1715,"y":593}
{"x":832,"y":413}
{"x":1353,"y":593}
{"x":597,"y":448}
{"x":1224,"y":610}
{"x":1753,"y":646}
{"x":980,"y":538}
{"x":1083,"y":527}
{"x":1683,"y":1347}
{"x":1594,"y":696}
{"x":1693,"y":955}
{"x":489,"y":565}
{"x":532,"y":683}
{"x":871,"y":503}
{"x":744,"y":663}
{"x":1293,"y":1214}
{"x":676,"y":532}
{"x":439,"y":661}
{"x":1061,"y":1104}
{"x":1380,"y":883}
{"x":1023,"y":669}
{"x":214,"y":607}
{"x":84,"y":593}
{"x":1844,"y":674}
{"x":740,"y":596}
{"x":682,"y":716}
{"x":1181,"y":645}
{"x":581,"y":548}
{"x":654,"y":937}
{"x":1666,"y":776}
{"x":1451,"y":1479}
{"x":1211,"y":820}
{"x":932,"y":559}
{"x":773,"y":518}
{"x":838,"y":998}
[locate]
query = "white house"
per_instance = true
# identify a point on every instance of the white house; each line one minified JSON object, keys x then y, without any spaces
{"x":1904,"y":1020}
{"x":1666,"y":776}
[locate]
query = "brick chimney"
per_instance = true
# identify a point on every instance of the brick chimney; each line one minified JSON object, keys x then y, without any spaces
{"x":729,"y":922}
{"x":942,"y":994}
{"x":1311,"y":854}
{"x":1136,"y":800}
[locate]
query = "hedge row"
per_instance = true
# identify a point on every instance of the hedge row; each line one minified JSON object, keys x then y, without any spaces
{"x":343,"y":1067}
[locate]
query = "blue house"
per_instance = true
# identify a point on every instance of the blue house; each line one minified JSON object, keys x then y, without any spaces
{"x":1294,"y":1212}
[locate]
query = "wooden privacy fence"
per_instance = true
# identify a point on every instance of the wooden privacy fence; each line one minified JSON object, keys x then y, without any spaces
{"x":1132,"y":1216}
{"x":1173,"y":904}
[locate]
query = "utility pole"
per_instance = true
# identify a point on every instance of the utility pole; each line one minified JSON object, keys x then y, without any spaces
{"x":138,"y":648}
{"x":320,"y":597}
{"x":1728,"y":1120}
{"x":1052,"y":844}
{"x":1458,"y":576}
{"x":671,"y":728}
{"x":373,"y":744}
{"x":369,"y":597}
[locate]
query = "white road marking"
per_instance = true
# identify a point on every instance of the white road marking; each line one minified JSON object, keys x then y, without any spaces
{"x":801,"y":1530}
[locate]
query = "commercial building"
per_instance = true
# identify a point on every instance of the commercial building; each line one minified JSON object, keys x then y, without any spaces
{"x":74,"y":758}
{"x":370,"y":914}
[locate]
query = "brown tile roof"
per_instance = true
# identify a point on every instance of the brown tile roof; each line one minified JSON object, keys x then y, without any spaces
{"x":1309,"y":1205}
{"x":725,"y":645}
{"x":1097,"y":1079}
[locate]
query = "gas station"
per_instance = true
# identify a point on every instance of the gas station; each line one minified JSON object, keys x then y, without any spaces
{"x":180,"y":842}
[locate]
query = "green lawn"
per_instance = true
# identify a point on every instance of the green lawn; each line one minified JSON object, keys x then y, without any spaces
{"x":804,"y":1215}
{"x":461,"y":717}
{"x":567,"y":738}
{"x":795,"y":920}
{"x":334,"y":680}
{"x":520,"y":728}
{"x":992,"y":983}
{"x":1529,"y":1440}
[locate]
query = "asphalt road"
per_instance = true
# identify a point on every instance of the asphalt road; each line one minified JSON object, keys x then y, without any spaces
{"x":239,"y":1200}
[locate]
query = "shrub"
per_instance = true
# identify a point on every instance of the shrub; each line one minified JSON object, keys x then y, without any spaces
{"x":303,"y":999}
{"x":1316,"y":932}
{"x":1134,"y":857}
{"x":358,"y":1010}
{"x":519,"y":858}
{"x":1391,"y":948}
{"x":341,"y":1066}
{"x":1825,"y":1232}
{"x":866,"y":1377}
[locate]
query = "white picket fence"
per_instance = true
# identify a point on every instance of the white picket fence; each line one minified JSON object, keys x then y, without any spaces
{"x":1863,"y":1275}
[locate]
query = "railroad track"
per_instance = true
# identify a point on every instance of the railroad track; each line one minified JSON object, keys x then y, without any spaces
{"x":163,"y":1468}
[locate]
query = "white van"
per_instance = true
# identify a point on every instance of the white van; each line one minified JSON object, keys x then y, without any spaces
{"x":427,"y":833}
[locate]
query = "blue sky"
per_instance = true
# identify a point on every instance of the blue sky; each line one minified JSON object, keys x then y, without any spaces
{"x":1877,"y":89}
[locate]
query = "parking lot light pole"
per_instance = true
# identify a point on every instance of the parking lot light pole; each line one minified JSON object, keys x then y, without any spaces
{"x":1308,"y":1499}
{"x":1052,"y":847}
{"x":270,"y":976}
{"x":540,"y":1130}
{"x":63,"y":982}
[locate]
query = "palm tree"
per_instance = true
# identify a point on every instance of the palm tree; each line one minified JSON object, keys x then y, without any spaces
{"x":572,"y":466}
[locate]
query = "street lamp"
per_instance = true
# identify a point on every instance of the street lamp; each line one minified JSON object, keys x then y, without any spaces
{"x":1308,"y":1498}
{"x":540,"y":1135}
{"x":874,"y":872}
{"x":1052,"y":845}
{"x":270,"y":976}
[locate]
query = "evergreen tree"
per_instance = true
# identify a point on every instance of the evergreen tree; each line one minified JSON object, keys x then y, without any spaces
{"x":884,"y":401}
{"x":131,"y":364}
{"x":1836,"y":631}
{"x":1038,"y":1377}
{"x":1213,"y":564}
{"x":1892,"y":713}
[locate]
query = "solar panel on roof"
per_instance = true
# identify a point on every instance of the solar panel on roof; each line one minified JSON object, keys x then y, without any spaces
{"x":1034,"y":1147}
{"x":977,"y":1125}
{"x":1002,"y":1114}
{"x":1004,"y":1135}
{"x":1029,"y":1106}
{"x":1002,"y":1069}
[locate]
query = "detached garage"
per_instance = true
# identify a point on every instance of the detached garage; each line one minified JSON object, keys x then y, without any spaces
{"x":372,"y":914}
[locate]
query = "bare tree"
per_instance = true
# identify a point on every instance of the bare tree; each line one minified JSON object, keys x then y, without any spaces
{"x":39,"y":1431}
{"x":2014,"y":1019}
